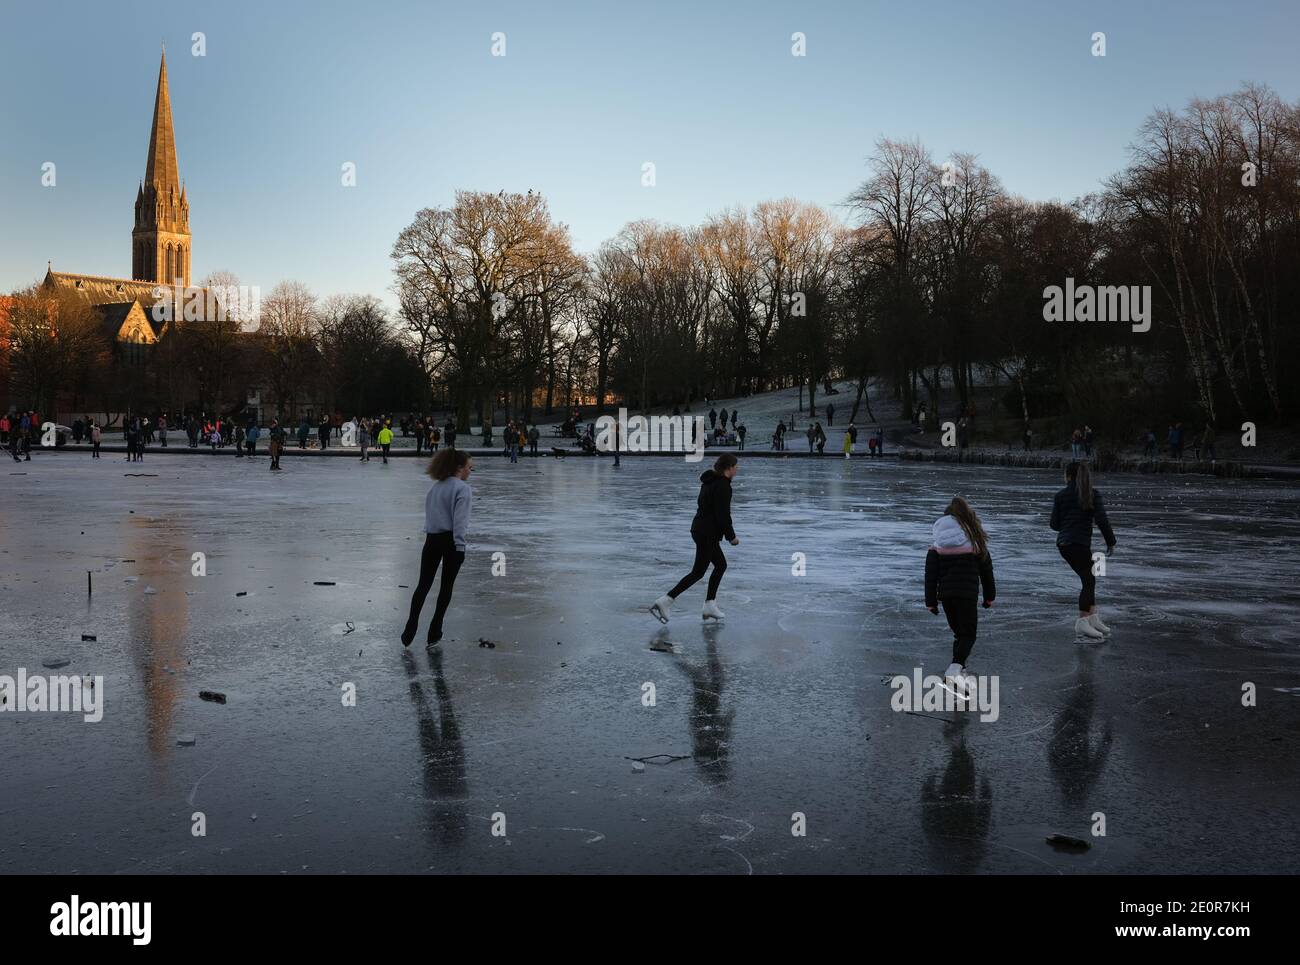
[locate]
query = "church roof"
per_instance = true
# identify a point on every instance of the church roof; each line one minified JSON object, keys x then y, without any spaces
{"x":161,"y":168}
{"x":99,"y":290}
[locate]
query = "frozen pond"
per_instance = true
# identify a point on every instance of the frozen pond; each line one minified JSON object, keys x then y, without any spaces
{"x":784,"y":708}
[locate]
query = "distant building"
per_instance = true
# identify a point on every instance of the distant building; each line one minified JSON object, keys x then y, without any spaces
{"x":160,"y":241}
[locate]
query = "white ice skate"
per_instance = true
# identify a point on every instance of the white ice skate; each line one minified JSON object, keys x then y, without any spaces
{"x":1083,"y":628}
{"x":1094,"y":618}
{"x":956,"y":682}
{"x":711,"y":610}
{"x":660,"y":608}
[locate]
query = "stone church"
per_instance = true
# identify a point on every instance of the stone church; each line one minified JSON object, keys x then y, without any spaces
{"x":160,"y":241}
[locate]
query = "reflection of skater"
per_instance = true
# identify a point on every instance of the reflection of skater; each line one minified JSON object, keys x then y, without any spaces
{"x":446,"y":522}
{"x":710,"y":723}
{"x":1074,"y":510}
{"x":1079,"y":748}
{"x":956,"y":567}
{"x":711,"y":524}
{"x":442,"y":752}
{"x":957,"y":807}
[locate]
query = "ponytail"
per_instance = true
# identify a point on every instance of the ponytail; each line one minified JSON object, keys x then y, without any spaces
{"x":1078,"y":473}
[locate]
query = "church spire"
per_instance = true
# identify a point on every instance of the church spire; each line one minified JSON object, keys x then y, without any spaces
{"x":160,"y":242}
{"x":162,"y":169}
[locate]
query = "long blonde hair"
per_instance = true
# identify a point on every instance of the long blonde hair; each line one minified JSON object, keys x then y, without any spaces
{"x":960,"y":510}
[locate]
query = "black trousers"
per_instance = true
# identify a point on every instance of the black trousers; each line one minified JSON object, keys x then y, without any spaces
{"x":438,"y":548}
{"x":706,"y":552}
{"x":1080,"y":560}
{"x":963,"y":618}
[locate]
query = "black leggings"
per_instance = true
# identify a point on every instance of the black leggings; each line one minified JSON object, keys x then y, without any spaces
{"x":706,"y":552}
{"x":963,"y":618}
{"x":438,"y":548}
{"x":1080,"y":560}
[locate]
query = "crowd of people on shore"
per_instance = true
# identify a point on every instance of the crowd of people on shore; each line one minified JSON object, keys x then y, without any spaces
{"x":18,"y":430}
{"x":21,"y":431}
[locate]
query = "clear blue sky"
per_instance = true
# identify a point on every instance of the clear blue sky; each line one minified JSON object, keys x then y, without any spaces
{"x":705,"y":89}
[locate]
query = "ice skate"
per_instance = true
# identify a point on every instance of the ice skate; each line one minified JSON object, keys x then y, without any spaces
{"x":660,"y":608}
{"x":1094,"y":618}
{"x":711,"y":610}
{"x":1083,"y":628}
{"x":954,"y":681}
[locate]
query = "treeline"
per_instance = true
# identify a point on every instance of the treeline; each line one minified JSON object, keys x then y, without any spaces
{"x":934,"y":274}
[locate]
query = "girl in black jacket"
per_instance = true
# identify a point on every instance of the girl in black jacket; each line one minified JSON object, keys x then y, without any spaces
{"x":1074,"y":511}
{"x":712,"y":524}
{"x":957,"y":566}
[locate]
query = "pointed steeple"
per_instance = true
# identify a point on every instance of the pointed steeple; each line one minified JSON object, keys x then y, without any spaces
{"x":162,"y":169}
{"x":160,"y":241}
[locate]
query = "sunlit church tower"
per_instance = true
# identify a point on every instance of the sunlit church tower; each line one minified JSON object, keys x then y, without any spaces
{"x":160,"y":241}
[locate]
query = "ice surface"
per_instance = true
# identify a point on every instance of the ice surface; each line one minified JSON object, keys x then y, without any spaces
{"x":784,"y":708}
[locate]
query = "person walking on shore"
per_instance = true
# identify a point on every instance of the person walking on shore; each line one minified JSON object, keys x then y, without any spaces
{"x":447,"y":508}
{"x":711,"y":525}
{"x":1074,"y":511}
{"x":958,"y":566}
{"x":830,"y":413}
{"x":1207,"y":442}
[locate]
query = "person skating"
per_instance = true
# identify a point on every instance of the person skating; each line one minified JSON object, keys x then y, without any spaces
{"x":363,"y":439}
{"x":740,"y":434}
{"x":958,"y":566}
{"x":830,"y":413}
{"x":711,"y":525}
{"x":96,"y":436}
{"x":385,"y":440}
{"x":447,"y":508}
{"x":1074,"y":510}
{"x":277,"y":443}
{"x":251,"y":436}
{"x":850,"y":437}
{"x":820,"y":436}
